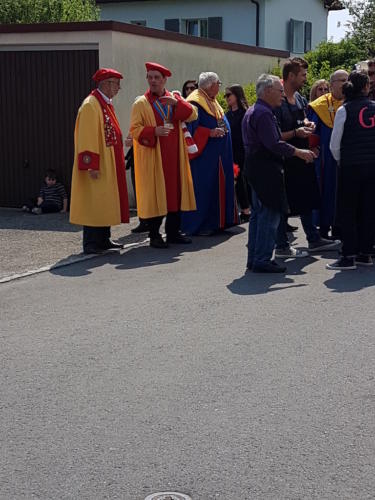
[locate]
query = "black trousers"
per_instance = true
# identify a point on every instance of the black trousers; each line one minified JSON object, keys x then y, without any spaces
{"x":45,"y":206}
{"x":95,"y":237}
{"x":172,"y":224}
{"x":242,"y":192}
{"x":356,"y":208}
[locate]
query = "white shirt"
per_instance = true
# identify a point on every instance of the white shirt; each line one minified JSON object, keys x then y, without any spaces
{"x":107,"y":99}
{"x":338,"y":130}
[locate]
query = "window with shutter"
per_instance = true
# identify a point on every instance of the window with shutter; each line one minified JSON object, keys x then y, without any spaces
{"x":296,"y":36}
{"x":308,"y":36}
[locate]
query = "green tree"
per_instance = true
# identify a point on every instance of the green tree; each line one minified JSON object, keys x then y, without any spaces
{"x":361,"y":29}
{"x":47,"y":11}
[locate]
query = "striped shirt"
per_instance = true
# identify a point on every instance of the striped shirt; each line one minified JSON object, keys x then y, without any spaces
{"x":53,"y":195}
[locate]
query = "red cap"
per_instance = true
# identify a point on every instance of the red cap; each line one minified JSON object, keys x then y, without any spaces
{"x":150,"y":66}
{"x":105,"y":73}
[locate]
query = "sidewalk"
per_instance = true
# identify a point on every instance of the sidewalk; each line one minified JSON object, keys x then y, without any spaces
{"x":29,"y":242}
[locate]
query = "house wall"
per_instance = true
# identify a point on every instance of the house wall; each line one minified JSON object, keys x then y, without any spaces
{"x":238,"y":15}
{"x":278,"y":14}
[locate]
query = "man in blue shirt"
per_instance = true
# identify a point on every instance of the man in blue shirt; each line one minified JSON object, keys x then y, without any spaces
{"x":265,"y":153}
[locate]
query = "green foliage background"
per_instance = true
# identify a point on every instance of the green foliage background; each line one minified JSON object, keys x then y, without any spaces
{"x":47,"y":11}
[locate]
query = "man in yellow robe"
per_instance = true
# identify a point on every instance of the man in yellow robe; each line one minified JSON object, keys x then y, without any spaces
{"x":162,"y":171}
{"x":99,"y":197}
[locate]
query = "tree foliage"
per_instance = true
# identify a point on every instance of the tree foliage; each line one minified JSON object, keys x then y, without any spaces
{"x":47,"y":11}
{"x":361,"y":29}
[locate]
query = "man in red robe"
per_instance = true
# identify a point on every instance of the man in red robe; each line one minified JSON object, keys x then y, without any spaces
{"x":99,"y":193}
{"x":162,"y":171}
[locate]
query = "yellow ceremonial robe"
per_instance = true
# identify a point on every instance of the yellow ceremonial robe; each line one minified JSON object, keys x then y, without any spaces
{"x":94,"y":202}
{"x":149,"y":175}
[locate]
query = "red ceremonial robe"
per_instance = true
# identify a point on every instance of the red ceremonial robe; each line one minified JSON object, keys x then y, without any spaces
{"x":113,"y":137}
{"x":169,"y":147}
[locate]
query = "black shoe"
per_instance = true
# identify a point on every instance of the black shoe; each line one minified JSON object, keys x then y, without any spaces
{"x":291,"y":229}
{"x":179,"y":239}
{"x":269,"y":267}
{"x":141,"y":228}
{"x":364,"y":260}
{"x":93,"y":250}
{"x":158,"y":242}
{"x":343,"y":264}
{"x":244,"y":218}
{"x":108,"y":245}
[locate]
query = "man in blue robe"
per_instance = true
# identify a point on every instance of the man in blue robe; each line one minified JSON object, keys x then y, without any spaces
{"x":212,"y":165}
{"x":322,"y":112}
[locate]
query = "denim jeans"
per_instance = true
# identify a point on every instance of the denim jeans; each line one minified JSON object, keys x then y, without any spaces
{"x":311,"y":232}
{"x":263,"y":225}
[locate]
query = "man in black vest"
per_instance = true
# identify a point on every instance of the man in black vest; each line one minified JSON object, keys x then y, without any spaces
{"x":300,"y":178}
{"x":353,"y":146}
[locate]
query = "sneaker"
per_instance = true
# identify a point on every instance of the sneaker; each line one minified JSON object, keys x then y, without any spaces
{"x":36,"y":210}
{"x":364,"y":260}
{"x":343,"y":264}
{"x":290,"y":253}
{"x":323,"y":244}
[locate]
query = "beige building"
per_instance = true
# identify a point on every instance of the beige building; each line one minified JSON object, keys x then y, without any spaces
{"x":61,"y":59}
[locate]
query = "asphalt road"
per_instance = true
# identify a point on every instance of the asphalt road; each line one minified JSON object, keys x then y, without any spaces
{"x":159,"y":370}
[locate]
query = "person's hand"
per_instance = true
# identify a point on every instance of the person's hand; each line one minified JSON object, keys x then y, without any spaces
{"x":162,"y":131}
{"x":307,"y":123}
{"x":303,"y":132}
{"x":217,"y":132}
{"x":305,"y":154}
{"x":168,"y":100}
{"x":129,"y":141}
{"x":94,"y":174}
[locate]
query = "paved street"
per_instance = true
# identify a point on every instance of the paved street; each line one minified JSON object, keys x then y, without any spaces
{"x":156,"y":370}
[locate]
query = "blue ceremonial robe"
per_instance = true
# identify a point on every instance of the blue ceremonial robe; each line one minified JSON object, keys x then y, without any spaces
{"x":326,"y":172}
{"x":212,"y":171}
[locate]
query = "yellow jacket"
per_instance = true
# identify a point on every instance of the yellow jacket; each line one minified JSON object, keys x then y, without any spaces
{"x":149,"y":176}
{"x":94,"y":202}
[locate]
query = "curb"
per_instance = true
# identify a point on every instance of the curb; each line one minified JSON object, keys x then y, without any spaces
{"x":68,"y":262}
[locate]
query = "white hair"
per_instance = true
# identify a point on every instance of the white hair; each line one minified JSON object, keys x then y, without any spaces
{"x":206,"y":79}
{"x":264,"y":82}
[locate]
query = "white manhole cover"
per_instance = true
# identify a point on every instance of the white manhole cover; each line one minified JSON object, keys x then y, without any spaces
{"x":168,"y":495}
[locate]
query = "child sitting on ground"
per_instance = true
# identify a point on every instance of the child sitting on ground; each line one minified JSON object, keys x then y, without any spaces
{"x":52,"y":197}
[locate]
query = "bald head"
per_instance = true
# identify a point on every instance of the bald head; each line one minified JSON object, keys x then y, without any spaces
{"x":337,"y":80}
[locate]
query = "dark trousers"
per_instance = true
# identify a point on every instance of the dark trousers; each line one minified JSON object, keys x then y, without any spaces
{"x":172,"y":224}
{"x":95,"y":237}
{"x":356,"y":208}
{"x":242,"y":191}
{"x":45,"y":206}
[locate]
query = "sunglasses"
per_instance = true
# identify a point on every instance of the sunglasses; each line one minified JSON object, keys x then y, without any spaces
{"x":323,"y":89}
{"x":227,"y":95}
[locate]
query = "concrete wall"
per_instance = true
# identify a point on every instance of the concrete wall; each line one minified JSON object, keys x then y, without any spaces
{"x":238,"y":15}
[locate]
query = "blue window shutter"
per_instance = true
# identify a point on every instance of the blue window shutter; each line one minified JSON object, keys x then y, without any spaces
{"x":215,"y":28}
{"x":172,"y":25}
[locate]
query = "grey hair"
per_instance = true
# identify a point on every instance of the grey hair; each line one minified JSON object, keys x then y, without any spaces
{"x":264,"y":82}
{"x":206,"y":79}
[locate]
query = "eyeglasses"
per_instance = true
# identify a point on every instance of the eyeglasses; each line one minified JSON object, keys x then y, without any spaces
{"x":228,"y":94}
{"x":191,"y":87}
{"x":219,"y":82}
{"x":342,"y":80}
{"x":323,"y":89}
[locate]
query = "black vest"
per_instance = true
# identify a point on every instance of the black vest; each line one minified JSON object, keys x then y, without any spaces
{"x":358,"y":139}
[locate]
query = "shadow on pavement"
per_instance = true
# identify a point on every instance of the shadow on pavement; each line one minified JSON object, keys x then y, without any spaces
{"x":16,"y":219}
{"x":144,"y":256}
{"x":258,"y":283}
{"x":351,"y":281}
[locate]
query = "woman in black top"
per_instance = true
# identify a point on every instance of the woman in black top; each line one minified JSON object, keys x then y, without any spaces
{"x":238,"y":105}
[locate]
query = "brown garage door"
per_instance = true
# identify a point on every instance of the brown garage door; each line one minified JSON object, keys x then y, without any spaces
{"x":40,"y":93}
